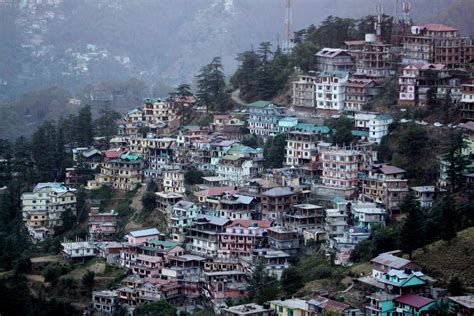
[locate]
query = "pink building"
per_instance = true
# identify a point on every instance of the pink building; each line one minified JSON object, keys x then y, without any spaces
{"x":140,"y":236}
{"x":241,"y":237}
{"x":102,"y":225}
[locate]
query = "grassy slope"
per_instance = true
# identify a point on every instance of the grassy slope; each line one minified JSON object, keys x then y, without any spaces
{"x":443,"y":260}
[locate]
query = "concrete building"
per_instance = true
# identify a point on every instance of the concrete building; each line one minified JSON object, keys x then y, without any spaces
{"x":277,"y":201}
{"x":359,"y":93}
{"x":334,"y":59}
{"x":173,"y":181}
{"x":330,"y":90}
{"x":78,"y":251}
{"x":102,"y":225}
{"x":241,"y":237}
{"x":304,"y":92}
{"x":284,"y":239}
{"x":375,"y":124}
{"x":303,"y":217}
{"x":42,"y":209}
{"x":105,"y":302}
{"x":264,"y":117}
{"x":467,"y":102}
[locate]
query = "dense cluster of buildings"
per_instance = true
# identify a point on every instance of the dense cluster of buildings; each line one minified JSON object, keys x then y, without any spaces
{"x":238,"y":213}
{"x":430,"y":60}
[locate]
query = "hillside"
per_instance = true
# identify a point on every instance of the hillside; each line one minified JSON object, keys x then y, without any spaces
{"x":443,"y":261}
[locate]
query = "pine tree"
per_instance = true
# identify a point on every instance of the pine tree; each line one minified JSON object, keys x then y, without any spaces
{"x":84,"y":127}
{"x":411,"y":234}
{"x":449,"y":216}
{"x":203,"y":87}
{"x":457,"y":161}
{"x":183,"y":90}
{"x":265,"y":87}
{"x":262,"y":286}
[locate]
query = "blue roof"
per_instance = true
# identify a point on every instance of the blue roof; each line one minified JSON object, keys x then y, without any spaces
{"x":360,"y":133}
{"x":145,"y":232}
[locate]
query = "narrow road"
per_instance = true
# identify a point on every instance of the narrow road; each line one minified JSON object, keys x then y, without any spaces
{"x":235,"y":96}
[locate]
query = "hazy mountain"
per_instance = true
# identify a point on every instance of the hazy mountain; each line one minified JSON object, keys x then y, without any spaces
{"x":84,"y":41}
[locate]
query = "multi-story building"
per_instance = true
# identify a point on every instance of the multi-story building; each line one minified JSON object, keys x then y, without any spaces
{"x":467,"y":102}
{"x":304,"y":91}
{"x":264,"y":117}
{"x":238,"y":207}
{"x":42,"y":209}
{"x":287,"y":123}
{"x":380,"y":304}
{"x":359,"y":93}
{"x":376,"y":60}
{"x":334,"y":59}
{"x":202,"y":238}
{"x":336,"y":221}
{"x":148,"y":258}
{"x":368,"y":215}
{"x":157,"y":110}
{"x":284,"y":239}
{"x":301,"y":147}
{"x":78,"y":251}
{"x":437,"y":43}
{"x":340,"y":167}
{"x":173,"y":180}
{"x":123,"y":173}
{"x":375,"y":124}
{"x":427,"y":195}
{"x":182,"y":216}
{"x":418,"y":80}
{"x":330,"y":90}
{"x":303,"y":217}
{"x":274,"y":261}
{"x":236,"y":170}
{"x":105,"y":302}
{"x":277,"y":201}
{"x":384,"y":184}
{"x":102,"y":225}
{"x":241,"y":237}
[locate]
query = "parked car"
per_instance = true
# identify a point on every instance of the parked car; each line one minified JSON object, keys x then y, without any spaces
{"x":438,"y":124}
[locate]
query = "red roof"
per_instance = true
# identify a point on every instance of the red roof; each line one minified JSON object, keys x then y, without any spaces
{"x":413,"y":300}
{"x":468,"y":125}
{"x":388,"y":169}
{"x":436,"y":27}
{"x":115,"y":153}
{"x":217,"y":191}
{"x":248,"y":222}
{"x":221,"y":116}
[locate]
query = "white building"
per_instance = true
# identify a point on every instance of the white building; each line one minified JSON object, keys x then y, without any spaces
{"x":173,"y":181}
{"x":376,"y":124}
{"x":78,"y":250}
{"x":43,"y":208}
{"x":330,"y":87}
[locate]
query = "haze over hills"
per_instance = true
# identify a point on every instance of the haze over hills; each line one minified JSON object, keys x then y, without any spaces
{"x":77,"y":42}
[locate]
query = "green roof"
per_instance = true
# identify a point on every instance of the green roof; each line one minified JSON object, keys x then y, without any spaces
{"x":311,"y":128}
{"x":166,"y":244}
{"x":130,"y":157}
{"x":259,"y":104}
{"x":384,"y":117}
{"x":360,"y":133}
{"x":334,"y":73}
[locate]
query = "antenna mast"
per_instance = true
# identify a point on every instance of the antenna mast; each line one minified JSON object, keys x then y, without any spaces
{"x":378,"y":23}
{"x":288,"y":27}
